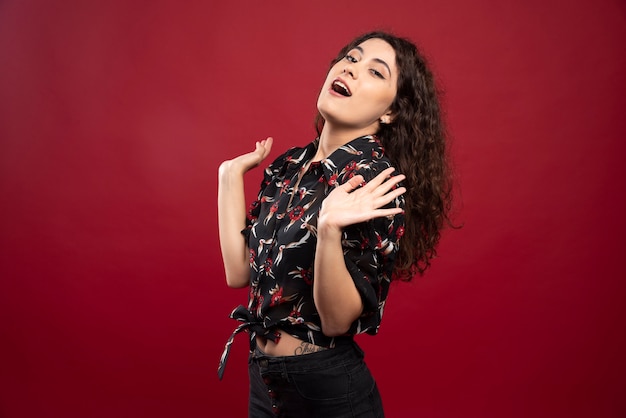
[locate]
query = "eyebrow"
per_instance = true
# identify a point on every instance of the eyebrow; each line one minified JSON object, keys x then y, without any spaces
{"x":375,"y":59}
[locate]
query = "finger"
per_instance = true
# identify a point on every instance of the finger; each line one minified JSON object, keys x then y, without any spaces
{"x":380,"y":213}
{"x":268,"y":146}
{"x":265,"y":141}
{"x":264,"y":147}
{"x":387,"y":213}
{"x":389,"y":197}
{"x":391,"y":183}
{"x":353,"y":183}
{"x":390,"y":180}
{"x":380,"y":178}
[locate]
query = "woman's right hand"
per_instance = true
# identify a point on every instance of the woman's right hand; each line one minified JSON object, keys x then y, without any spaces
{"x":248,"y":161}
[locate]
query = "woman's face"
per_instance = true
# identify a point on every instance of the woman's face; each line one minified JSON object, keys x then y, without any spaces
{"x":361,"y":87}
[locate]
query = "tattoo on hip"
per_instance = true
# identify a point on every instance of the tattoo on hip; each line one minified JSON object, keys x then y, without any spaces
{"x":308,"y":348}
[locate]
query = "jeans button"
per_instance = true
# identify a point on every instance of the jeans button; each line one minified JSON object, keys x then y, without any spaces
{"x":263,"y":363}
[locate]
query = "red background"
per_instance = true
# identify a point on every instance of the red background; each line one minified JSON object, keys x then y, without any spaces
{"x":114,"y":117}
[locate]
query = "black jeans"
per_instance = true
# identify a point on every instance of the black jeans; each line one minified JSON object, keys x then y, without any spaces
{"x":333,"y":383}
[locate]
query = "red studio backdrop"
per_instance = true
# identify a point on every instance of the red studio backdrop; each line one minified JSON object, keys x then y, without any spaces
{"x":114,"y":117}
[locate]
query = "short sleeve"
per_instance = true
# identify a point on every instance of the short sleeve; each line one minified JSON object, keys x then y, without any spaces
{"x":370,"y":250}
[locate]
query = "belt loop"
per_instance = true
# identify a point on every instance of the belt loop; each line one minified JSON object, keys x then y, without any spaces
{"x":283,"y":370}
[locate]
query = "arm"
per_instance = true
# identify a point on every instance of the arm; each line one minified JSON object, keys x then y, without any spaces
{"x":231,"y":209}
{"x":336,"y":297}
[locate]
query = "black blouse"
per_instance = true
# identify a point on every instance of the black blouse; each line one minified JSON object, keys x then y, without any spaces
{"x":281,"y":235}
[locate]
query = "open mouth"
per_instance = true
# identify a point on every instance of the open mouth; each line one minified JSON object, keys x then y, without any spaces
{"x":339,"y":87}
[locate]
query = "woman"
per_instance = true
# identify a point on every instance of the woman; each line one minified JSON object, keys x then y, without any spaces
{"x":321,"y":244}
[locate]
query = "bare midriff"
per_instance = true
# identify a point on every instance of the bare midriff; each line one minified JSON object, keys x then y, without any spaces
{"x":287,"y":345}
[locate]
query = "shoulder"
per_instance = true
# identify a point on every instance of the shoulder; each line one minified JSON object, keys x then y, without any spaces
{"x":364,"y":156}
{"x":289,"y":159}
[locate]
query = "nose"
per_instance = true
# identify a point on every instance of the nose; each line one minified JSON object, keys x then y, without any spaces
{"x":350,"y":70}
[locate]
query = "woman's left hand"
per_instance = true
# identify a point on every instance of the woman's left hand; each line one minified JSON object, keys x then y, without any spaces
{"x":348,"y":204}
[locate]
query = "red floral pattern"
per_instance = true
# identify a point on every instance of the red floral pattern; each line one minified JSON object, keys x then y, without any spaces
{"x":281,"y":234}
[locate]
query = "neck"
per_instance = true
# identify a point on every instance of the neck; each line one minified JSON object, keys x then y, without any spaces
{"x":332,"y":138}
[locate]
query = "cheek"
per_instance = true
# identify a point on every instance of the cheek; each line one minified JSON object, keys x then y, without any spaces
{"x":390,"y":95}
{"x":383,"y":97}
{"x":333,"y":72}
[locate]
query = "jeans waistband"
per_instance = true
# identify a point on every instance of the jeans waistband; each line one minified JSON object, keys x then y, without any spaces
{"x":345,"y":349}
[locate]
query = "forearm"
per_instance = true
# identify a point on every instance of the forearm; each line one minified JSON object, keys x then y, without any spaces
{"x":336,"y":298}
{"x":231,"y":220}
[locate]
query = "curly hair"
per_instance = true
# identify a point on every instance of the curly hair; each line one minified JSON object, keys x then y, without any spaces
{"x":415,"y":142}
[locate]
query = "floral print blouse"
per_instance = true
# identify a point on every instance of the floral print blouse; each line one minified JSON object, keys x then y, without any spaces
{"x":281,"y":235}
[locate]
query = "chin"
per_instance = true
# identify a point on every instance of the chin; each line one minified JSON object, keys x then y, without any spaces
{"x":329,"y":110}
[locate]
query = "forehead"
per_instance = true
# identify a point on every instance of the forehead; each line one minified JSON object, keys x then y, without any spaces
{"x":377,"y":48}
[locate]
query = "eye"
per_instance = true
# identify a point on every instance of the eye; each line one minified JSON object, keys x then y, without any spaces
{"x":350,"y":58}
{"x":377,"y":73}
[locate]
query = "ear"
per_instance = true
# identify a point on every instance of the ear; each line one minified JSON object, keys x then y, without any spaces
{"x":387,"y":118}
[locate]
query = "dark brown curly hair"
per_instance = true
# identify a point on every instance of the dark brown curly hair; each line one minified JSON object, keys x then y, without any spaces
{"x":415,"y":142}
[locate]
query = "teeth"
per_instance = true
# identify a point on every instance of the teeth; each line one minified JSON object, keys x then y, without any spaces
{"x":342,"y":86}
